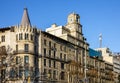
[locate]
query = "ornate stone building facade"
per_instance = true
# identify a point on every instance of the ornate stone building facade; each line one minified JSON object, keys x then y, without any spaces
{"x":59,"y":55}
{"x":43,"y":55}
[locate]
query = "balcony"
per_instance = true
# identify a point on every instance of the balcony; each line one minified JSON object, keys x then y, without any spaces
{"x":23,"y":52}
{"x":57,"y":59}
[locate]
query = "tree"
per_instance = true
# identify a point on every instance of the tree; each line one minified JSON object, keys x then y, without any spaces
{"x":8,"y":64}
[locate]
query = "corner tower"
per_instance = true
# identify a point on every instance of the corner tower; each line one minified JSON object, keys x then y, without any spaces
{"x":25,"y":18}
{"x":73,"y":24}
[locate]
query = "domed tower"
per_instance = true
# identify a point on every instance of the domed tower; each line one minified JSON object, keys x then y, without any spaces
{"x":73,"y":24}
{"x":26,"y":43}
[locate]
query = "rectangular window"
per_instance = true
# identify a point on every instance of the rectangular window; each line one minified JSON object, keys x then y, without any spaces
{"x":50,"y":44}
{"x":65,"y":57}
{"x":45,"y":42}
{"x":49,"y":63}
{"x":44,"y":51}
{"x":20,"y":36}
{"x":31,"y":37}
{"x":26,"y":36}
{"x":62,"y":65}
{"x":26,"y":73}
{"x":54,"y":53}
{"x":26,"y":47}
{"x":49,"y":73}
{"x":61,"y":47}
{"x":60,"y":55}
{"x":45,"y":71}
{"x":17,"y":59}
{"x":26,"y":59}
{"x":44,"y":62}
{"x":49,"y":53}
{"x":54,"y":64}
{"x":54,"y":74}
{"x":16,"y":37}
{"x":16,"y":48}
{"x":3,"y":38}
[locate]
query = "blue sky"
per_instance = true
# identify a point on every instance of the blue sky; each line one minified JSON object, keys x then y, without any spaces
{"x":96,"y":16}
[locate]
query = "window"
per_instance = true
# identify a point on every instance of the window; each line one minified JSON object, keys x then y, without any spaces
{"x":54,"y":74}
{"x":50,"y":44}
{"x":54,"y":45}
{"x":61,"y":47}
{"x":26,"y":47}
{"x":49,"y":53}
{"x":62,"y":65}
{"x":45,"y":42}
{"x":12,"y":73}
{"x":60,"y":55}
{"x":16,"y":37}
{"x":26,"y":59}
{"x":54,"y":64}
{"x":3,"y":38}
{"x":44,"y":62}
{"x":54,"y":54}
{"x":31,"y":37}
{"x":64,"y":56}
{"x":17,"y":59}
{"x":45,"y":71}
{"x":44,"y":51}
{"x":26,"y":73}
{"x":26,"y":36}
{"x":16,"y":48}
{"x":20,"y":36}
{"x":49,"y":63}
{"x":49,"y":73}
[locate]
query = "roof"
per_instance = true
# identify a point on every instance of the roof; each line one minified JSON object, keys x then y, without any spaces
{"x":94,"y":53}
{"x":25,"y":18}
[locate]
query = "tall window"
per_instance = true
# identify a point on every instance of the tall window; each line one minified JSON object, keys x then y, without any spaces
{"x":64,"y":56}
{"x":26,"y":59}
{"x":62,"y":65}
{"x":45,"y":71}
{"x":44,"y":51}
{"x":49,"y":53}
{"x":17,"y":48}
{"x":26,"y":73}
{"x":44,"y":62}
{"x":49,"y":63}
{"x":16,"y":37}
{"x":54,"y":74}
{"x":31,"y":37}
{"x":50,"y":44}
{"x":26,"y":47}
{"x":54,"y":64}
{"x":54,"y":53}
{"x":45,"y":42}
{"x":60,"y":55}
{"x":3,"y":38}
{"x":20,"y":36}
{"x":26,"y":36}
{"x":17,"y":59}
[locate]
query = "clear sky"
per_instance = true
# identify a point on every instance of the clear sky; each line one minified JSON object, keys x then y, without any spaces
{"x":96,"y":16}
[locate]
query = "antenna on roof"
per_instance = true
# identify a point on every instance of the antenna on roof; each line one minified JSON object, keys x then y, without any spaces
{"x":100,"y":39}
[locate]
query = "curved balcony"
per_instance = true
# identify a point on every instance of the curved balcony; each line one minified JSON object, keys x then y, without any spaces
{"x":24,"y":52}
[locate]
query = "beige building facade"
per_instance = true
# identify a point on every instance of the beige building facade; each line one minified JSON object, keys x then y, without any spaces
{"x":58,"y":55}
{"x":40,"y":55}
